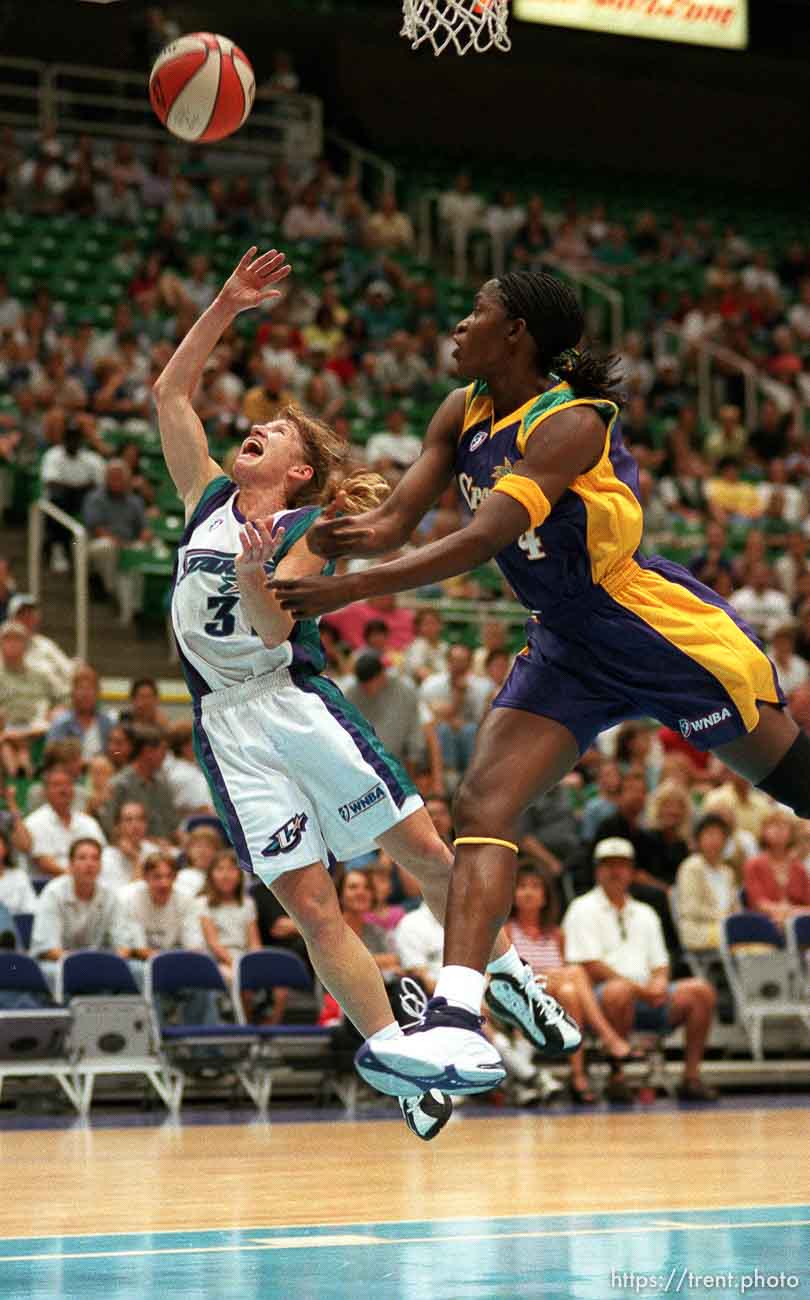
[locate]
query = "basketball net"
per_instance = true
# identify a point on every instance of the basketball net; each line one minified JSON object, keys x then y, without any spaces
{"x":477,"y":25}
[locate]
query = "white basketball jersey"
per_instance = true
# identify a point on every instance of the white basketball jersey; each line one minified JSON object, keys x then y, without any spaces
{"x":217,"y":646}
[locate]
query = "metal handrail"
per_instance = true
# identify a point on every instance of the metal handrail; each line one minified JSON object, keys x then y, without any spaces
{"x":360,"y":158}
{"x":35,"y":534}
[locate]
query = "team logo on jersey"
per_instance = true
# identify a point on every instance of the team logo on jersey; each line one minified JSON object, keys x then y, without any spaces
{"x":704,"y":723}
{"x":287,"y":837}
{"x":216,"y":523}
{"x":355,"y":807}
{"x":479,"y":439}
{"x":500,"y":471}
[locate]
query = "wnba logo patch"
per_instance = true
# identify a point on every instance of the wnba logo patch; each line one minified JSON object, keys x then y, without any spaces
{"x":355,"y":807}
{"x":704,"y":723}
{"x":479,"y":439}
{"x":287,"y":837}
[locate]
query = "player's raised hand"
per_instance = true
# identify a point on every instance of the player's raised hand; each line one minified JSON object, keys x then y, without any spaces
{"x":335,"y":533}
{"x":253,"y":281}
{"x":259,"y":547}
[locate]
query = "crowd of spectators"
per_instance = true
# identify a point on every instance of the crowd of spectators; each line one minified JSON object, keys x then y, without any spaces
{"x":110,"y":817}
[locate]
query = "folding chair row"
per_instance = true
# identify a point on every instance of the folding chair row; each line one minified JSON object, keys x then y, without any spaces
{"x":766,"y":971}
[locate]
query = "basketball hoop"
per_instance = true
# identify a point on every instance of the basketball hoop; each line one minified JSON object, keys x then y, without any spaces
{"x":477,"y":25}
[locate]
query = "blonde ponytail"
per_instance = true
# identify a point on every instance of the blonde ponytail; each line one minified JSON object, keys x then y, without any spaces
{"x":361,"y":490}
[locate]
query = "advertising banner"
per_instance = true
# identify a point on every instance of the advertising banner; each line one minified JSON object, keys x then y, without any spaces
{"x":698,"y":22}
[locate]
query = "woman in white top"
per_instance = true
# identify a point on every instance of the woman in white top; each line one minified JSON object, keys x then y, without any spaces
{"x":16,"y":892}
{"x":706,"y":886}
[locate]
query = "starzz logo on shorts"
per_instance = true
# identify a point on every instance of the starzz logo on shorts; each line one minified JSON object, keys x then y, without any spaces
{"x":703,"y":724}
{"x":355,"y":807}
{"x":287,"y":837}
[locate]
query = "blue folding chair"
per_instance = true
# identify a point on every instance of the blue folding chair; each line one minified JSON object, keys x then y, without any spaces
{"x":91,"y":972}
{"x":114,"y":1030}
{"x":301,"y":1046}
{"x":24,"y":922}
{"x":170,"y":975}
{"x":762,"y":981}
{"x":33,"y":1036}
{"x":798,"y":942}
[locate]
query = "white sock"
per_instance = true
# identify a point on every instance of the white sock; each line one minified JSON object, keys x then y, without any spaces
{"x":508,"y":964}
{"x":388,"y":1031}
{"x":462,"y":986}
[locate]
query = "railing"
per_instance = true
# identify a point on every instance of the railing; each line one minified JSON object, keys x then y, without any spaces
{"x":35,"y":537}
{"x":375,"y":174}
{"x":476,"y":612}
{"x":79,"y":99}
{"x":583,"y":281}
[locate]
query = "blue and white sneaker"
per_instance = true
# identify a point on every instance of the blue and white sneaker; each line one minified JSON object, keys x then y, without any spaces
{"x":444,"y":1050}
{"x":427,"y":1115}
{"x":525,"y":1004}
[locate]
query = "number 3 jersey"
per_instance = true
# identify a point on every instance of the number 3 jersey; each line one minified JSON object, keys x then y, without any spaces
{"x":593,"y":529}
{"x":217,"y":646}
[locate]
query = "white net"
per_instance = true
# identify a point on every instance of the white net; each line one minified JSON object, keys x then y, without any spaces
{"x":477,"y":25}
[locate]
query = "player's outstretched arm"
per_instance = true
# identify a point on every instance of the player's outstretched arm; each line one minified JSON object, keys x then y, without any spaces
{"x":388,"y":526}
{"x":185,"y":446}
{"x":565,"y":446}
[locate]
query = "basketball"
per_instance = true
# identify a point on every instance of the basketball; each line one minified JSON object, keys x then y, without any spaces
{"x":202,"y":87}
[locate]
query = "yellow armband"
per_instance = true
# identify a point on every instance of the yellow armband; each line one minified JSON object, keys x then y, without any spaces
{"x":527,"y":492}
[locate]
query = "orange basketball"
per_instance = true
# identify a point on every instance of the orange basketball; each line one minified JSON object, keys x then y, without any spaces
{"x":202,"y":87}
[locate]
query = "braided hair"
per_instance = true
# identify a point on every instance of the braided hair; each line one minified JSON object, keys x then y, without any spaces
{"x":555,"y":321}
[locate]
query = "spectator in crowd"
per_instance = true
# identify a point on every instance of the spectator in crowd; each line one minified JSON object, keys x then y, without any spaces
{"x":183,"y":773}
{"x":122,"y":861}
{"x":84,"y":720}
{"x":141,"y":781}
{"x":548,"y":830}
{"x":602,"y":803}
{"x":55,"y":826}
{"x":41,"y":653}
{"x":69,"y":471}
{"x":202,"y":845}
{"x":775,"y":879}
{"x":670,"y":830}
{"x":355,"y":903}
{"x":11,"y":821}
{"x":460,"y":212}
{"x":706,"y":887}
{"x":749,"y":807}
{"x":77,"y":911}
{"x":763,"y":606}
{"x":388,"y":228}
{"x":457,"y":700}
{"x":494,"y":635}
{"x":158,"y":916}
{"x":100,"y":773}
{"x":427,"y":653}
{"x":16,"y":892}
{"x":533,"y":928}
{"x":114,"y":516}
{"x":383,"y":912}
{"x":715,"y":558}
{"x":227,"y":914}
{"x":792,"y":669}
{"x":263,"y":402}
{"x":144,"y":705}
{"x":119,"y":745}
{"x":65,"y":753}
{"x":620,"y":943}
{"x":390,"y":705}
{"x":27,"y":699}
{"x":307,"y":218}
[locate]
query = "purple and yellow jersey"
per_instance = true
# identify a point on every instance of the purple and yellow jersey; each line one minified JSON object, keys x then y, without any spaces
{"x":591,"y":531}
{"x":615,"y":634}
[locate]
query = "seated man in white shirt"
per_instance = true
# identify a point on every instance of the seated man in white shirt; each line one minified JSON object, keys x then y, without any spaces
{"x":160,"y":916}
{"x":77,"y":911}
{"x":121,"y":862}
{"x":54,"y":826}
{"x":620,"y":943}
{"x":419,"y":941}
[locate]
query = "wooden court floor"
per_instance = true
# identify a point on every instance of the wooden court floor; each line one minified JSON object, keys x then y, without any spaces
{"x":510,"y":1172}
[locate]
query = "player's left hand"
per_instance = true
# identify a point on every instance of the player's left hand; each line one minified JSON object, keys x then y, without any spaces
{"x":259,"y":546}
{"x":309,"y":597}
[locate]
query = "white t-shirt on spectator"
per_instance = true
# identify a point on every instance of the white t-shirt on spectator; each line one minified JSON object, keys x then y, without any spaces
{"x":117,"y":869}
{"x":795,"y":507}
{"x":231,"y":921}
{"x":52,"y":838}
{"x":190,"y":881}
{"x":47,"y":657}
{"x":421,"y":656}
{"x":763,"y":610}
{"x":175,"y":925}
{"x":419,"y":941}
{"x":592,"y":933}
{"x":61,"y":920}
{"x":56,"y":467}
{"x":457,"y":208}
{"x":16,"y":892}
{"x":438,"y":689}
{"x":794,"y":675}
{"x":188,"y":785}
{"x":401,"y":448}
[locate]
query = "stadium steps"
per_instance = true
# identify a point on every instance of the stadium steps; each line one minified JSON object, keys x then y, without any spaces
{"x":113,"y":650}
